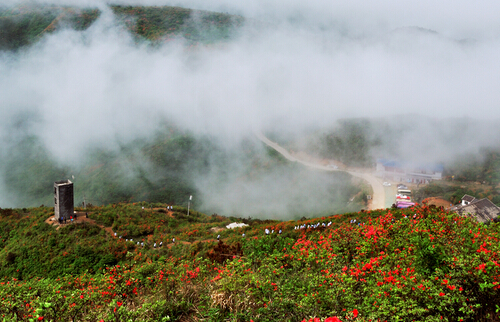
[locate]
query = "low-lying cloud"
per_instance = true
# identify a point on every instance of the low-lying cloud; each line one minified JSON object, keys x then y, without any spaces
{"x":294,"y":64}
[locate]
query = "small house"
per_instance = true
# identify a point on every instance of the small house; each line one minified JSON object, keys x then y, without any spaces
{"x":466,"y":199}
{"x":483,"y":210}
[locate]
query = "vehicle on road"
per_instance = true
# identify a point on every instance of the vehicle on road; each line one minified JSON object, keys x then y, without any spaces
{"x":404,"y":204}
{"x":386,"y":184}
{"x":405,"y":192}
{"x":403,"y":197}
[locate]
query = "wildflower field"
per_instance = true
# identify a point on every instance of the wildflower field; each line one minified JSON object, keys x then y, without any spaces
{"x":421,"y":264}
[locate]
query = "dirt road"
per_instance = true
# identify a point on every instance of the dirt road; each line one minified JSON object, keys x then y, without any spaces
{"x":378,"y":197}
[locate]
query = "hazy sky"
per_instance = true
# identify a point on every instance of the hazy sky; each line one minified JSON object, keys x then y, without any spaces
{"x":312,"y":63}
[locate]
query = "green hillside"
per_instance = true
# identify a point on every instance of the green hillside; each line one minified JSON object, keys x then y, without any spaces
{"x":170,"y":165}
{"x":136,"y":253}
{"x":24,"y":25}
{"x":398,"y":265}
{"x":477,"y":175}
{"x":165,"y":23}
{"x":356,"y":142}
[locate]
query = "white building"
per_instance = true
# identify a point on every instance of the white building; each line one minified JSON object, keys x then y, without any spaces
{"x":396,"y":171}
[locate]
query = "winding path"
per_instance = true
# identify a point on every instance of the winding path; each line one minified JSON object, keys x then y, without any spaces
{"x":378,"y":197}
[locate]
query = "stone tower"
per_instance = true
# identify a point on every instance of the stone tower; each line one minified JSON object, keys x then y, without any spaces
{"x":63,"y":199}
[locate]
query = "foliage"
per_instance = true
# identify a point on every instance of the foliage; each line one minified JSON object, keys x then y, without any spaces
{"x":454,"y":191}
{"x":31,"y":172}
{"x":153,"y":170}
{"x":349,"y":143}
{"x":414,"y":264}
{"x":483,"y":167}
{"x":167,"y":23}
{"x":24,"y":25}
{"x":166,"y":167}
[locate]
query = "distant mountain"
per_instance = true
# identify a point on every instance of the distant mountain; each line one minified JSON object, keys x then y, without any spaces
{"x":416,"y":31}
{"x":24,"y":25}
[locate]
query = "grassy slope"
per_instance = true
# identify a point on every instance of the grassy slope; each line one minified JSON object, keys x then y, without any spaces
{"x":429,"y":266}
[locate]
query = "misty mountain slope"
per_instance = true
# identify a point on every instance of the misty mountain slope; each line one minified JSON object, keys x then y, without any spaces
{"x":153,"y":169}
{"x":161,"y":24}
{"x":258,"y":182}
{"x":416,"y":36}
{"x":467,"y":148}
{"x":24,"y":25}
{"x":476,"y":174}
{"x":411,"y":138}
{"x":29,"y":172}
{"x":245,"y":180}
{"x":102,"y":175}
{"x":101,"y":92}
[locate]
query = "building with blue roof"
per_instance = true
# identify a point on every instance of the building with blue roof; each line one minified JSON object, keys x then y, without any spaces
{"x":398,"y":171}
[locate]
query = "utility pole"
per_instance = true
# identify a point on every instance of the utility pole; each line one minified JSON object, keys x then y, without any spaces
{"x":190,"y":198}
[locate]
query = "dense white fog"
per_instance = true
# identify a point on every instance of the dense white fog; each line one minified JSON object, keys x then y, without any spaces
{"x":294,"y":65}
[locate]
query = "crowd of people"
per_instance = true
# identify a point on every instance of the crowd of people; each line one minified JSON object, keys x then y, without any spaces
{"x":155,"y":245}
{"x":313,"y":226}
{"x":64,"y":220}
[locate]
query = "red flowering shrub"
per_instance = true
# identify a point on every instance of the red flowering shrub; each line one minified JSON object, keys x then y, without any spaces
{"x":429,"y":265}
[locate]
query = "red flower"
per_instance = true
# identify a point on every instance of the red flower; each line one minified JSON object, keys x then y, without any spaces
{"x":119,"y":303}
{"x":333,"y":319}
{"x":355,"y":312}
{"x":40,"y":318}
{"x":441,"y":294}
